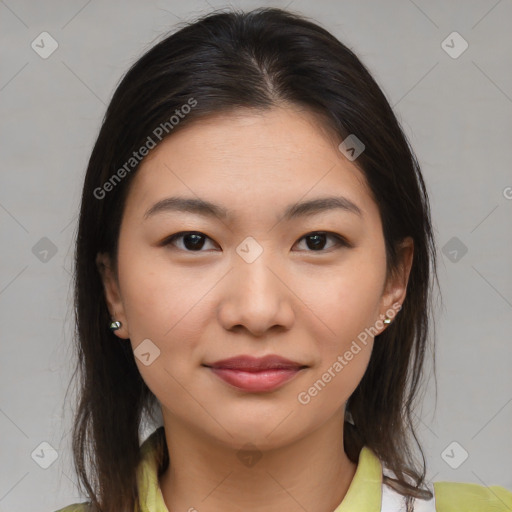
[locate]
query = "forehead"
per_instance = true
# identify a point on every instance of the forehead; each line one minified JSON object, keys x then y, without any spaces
{"x":270,"y":156}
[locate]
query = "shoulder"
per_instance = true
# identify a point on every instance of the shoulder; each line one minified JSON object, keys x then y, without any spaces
{"x":450,"y":497}
{"x":453,"y":497}
{"x":76,"y":507}
{"x":456,"y":496}
{"x":147,"y":479}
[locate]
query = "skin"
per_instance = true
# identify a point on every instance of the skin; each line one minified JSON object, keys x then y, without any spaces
{"x":294,"y":300}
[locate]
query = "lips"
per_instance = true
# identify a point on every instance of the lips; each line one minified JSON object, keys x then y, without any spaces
{"x":256,"y":364}
{"x":256,"y":374}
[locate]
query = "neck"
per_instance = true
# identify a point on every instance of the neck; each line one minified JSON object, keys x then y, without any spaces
{"x":311,"y":473}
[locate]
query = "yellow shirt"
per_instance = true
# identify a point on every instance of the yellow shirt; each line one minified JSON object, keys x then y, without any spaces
{"x":366,"y":492}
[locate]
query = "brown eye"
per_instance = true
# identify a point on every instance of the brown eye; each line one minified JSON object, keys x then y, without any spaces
{"x":316,"y":241}
{"x":192,"y":241}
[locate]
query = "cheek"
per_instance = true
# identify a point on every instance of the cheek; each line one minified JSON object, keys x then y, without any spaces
{"x":347,"y":300}
{"x":331,"y":385}
{"x":168,"y":307}
{"x":155,"y":297}
{"x":348,"y":304}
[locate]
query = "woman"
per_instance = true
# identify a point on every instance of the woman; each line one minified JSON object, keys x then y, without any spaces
{"x":255,"y":258}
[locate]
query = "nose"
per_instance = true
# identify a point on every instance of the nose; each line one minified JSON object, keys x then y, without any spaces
{"x":256,"y":297}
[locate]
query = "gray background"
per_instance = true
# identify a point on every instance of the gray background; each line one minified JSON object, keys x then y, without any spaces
{"x":457,"y":113}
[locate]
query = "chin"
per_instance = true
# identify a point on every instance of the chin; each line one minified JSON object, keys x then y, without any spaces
{"x":263,"y":435}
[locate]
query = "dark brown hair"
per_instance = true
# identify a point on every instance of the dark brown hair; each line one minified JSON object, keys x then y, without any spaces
{"x":257,"y":60}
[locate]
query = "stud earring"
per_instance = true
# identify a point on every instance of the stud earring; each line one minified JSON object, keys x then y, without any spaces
{"x":115,"y":325}
{"x":387,"y":320}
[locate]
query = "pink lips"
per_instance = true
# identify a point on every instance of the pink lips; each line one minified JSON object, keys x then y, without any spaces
{"x":256,"y":374}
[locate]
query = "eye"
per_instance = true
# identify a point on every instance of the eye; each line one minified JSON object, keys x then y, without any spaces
{"x":316,"y":240}
{"x":194,"y":241}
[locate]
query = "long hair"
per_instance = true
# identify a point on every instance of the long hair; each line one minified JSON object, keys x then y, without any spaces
{"x":218,"y":63}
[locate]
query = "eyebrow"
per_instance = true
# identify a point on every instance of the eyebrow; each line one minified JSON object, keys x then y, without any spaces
{"x":209,"y":209}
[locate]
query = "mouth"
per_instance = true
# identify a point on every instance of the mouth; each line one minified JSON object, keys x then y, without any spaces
{"x":256,"y":374}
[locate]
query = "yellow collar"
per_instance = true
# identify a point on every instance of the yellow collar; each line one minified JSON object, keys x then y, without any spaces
{"x":364,"y":492}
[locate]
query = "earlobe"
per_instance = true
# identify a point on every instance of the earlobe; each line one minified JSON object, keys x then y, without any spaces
{"x":396,"y":285}
{"x":112,"y":294}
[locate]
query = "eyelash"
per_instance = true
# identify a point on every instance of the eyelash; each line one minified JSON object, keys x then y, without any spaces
{"x":340,"y":241}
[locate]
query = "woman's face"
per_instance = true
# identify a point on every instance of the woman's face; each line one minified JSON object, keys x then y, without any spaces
{"x":255,"y":281}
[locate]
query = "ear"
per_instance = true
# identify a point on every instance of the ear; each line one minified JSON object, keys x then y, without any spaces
{"x":395,"y":288}
{"x":112,"y":294}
